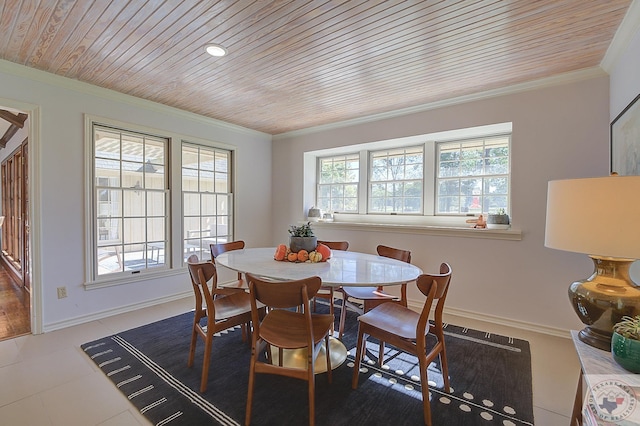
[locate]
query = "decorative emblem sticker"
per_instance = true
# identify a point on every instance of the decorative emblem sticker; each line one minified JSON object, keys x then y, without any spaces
{"x":612,"y":400}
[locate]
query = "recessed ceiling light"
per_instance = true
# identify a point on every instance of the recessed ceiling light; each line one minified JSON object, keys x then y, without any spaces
{"x":216,"y":50}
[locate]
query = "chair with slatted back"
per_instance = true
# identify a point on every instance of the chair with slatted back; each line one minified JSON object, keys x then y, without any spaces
{"x":284,"y":327}
{"x":373,"y":296}
{"x":327,"y":292}
{"x":237,"y":285}
{"x":407,"y":330}
{"x":221,"y":313}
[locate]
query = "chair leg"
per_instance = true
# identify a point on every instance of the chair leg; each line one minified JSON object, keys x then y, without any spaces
{"x":331,"y":308}
{"x":424,"y":383}
{"x":445,"y":368}
{"x":343,"y":315}
{"x":208,"y":343}
{"x":311,"y":382}
{"x":328,"y":357}
{"x":381,"y":353}
{"x":359,"y":354}
{"x":192,"y":348}
{"x":252,"y":375}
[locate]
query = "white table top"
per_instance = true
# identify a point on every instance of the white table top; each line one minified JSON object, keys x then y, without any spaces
{"x":344,"y":268}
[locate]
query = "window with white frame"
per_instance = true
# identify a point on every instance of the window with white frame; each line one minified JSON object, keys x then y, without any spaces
{"x":434,"y":178}
{"x":338,"y":183}
{"x":130,"y":199}
{"x":473,"y":176}
{"x":396,"y":180}
{"x":206,"y":197}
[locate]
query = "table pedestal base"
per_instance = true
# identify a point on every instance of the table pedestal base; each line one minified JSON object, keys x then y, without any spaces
{"x":297,"y":358}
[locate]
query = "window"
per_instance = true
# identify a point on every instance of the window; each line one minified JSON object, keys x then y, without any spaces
{"x":395,"y":185}
{"x":206,"y":192}
{"x":338,"y":183}
{"x":433,"y":179}
{"x":130,"y":198}
{"x":473,"y":176}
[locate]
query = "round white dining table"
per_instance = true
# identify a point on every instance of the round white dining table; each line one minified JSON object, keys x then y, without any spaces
{"x":344,"y":268}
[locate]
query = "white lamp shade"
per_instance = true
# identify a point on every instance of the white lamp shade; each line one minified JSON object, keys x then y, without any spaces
{"x":595,"y":216}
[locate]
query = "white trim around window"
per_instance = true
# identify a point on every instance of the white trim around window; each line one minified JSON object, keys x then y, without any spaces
{"x":427,"y":221}
{"x":167,"y":237}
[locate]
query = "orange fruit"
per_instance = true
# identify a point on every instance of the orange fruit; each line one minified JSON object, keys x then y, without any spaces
{"x":292,"y":257}
{"x":303,"y":255}
{"x":325,"y":251}
{"x":281,"y":252}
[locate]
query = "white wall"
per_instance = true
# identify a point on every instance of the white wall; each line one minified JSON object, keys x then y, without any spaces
{"x":625,"y":77}
{"x":62,"y":103}
{"x":558,"y":132}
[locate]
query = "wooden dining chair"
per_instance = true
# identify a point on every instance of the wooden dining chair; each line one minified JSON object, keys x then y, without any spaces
{"x":327,"y":292}
{"x":285,"y":328}
{"x":236,"y":285}
{"x":407,"y":330}
{"x":373,"y":296}
{"x":221,"y":313}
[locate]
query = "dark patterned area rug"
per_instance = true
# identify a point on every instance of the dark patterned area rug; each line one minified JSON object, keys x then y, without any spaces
{"x":490,"y":380}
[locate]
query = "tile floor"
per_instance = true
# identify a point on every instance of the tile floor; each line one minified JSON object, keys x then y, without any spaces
{"x":48,"y":380}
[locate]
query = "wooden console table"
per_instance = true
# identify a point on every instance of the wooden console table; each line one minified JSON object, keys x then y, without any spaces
{"x":595,"y":363}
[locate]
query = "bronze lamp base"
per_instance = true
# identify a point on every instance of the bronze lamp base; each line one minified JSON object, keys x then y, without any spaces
{"x":604,"y":298}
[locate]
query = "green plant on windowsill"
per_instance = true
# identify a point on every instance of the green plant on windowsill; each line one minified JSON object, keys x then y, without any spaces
{"x":301,"y":230}
{"x":625,"y":343}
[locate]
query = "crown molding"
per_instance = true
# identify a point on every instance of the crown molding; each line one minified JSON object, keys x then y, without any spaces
{"x":628,"y":28}
{"x":556,"y":80}
{"x":112,"y":95}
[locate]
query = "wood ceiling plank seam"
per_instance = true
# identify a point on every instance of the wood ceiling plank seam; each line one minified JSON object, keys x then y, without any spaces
{"x":19,"y":27}
{"x":114,"y":46}
{"x":179,"y":26}
{"x":334,"y":60}
{"x":368,"y":99}
{"x":34,"y":33}
{"x":274,"y":29}
{"x":293,"y":53}
{"x":458,"y":56}
{"x":417,"y":72}
{"x":91,"y":45}
{"x":395,"y":90}
{"x":401,"y":52}
{"x":459,"y":78}
{"x":212,"y":79}
{"x":212,"y":73}
{"x":72,"y":34}
{"x":177,"y":54}
{"x":195,"y":73}
{"x":138,"y":62}
{"x":52,"y":31}
{"x":7,"y":22}
{"x":143,"y":36}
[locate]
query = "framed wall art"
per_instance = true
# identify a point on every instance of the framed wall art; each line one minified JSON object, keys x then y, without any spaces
{"x":625,"y":140}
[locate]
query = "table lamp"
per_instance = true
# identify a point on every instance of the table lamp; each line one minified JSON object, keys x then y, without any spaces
{"x":601,"y":218}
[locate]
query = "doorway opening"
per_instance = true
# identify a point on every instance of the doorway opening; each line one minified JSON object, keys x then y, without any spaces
{"x":15,"y":281}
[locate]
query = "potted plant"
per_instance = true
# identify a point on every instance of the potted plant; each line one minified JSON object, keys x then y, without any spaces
{"x":498,"y":220}
{"x":625,"y":343}
{"x":302,"y":238}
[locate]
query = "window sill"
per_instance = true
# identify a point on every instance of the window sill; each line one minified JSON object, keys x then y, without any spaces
{"x":446,"y":231}
{"x":122,"y":278}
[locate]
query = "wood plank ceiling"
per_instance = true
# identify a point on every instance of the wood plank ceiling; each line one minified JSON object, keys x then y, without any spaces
{"x":298,"y":64}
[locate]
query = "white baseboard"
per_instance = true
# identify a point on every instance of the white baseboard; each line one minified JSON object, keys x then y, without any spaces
{"x":413,"y":304}
{"x":493,"y":319}
{"x":116,"y":311}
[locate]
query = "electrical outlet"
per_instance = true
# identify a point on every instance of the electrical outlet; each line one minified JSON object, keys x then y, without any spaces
{"x":62,"y":292}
